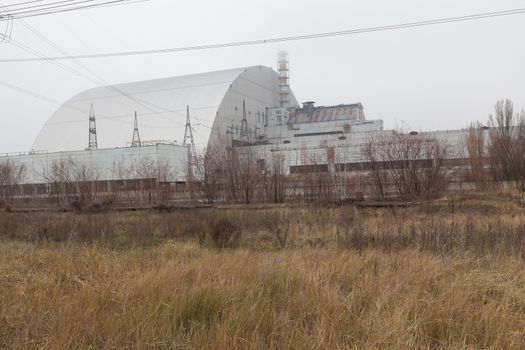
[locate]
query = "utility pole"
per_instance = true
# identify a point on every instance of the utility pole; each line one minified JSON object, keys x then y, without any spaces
{"x":92,"y":130}
{"x":136,"y":136}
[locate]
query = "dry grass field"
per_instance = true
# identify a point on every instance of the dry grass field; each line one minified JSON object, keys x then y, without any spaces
{"x":450,"y":274}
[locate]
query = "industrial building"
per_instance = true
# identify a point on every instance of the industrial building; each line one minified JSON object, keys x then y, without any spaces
{"x":165,"y":123}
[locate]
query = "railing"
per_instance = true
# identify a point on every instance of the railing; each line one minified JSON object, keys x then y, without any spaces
{"x":16,"y":154}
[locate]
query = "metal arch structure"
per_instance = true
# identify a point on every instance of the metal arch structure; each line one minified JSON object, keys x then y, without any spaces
{"x":216,"y":100}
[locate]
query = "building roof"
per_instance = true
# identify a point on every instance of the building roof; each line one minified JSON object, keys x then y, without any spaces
{"x":315,"y":114}
{"x":160,"y":105}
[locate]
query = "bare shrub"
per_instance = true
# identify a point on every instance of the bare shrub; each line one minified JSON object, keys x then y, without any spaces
{"x":186,"y":224}
{"x":104,"y":205}
{"x":225,"y":234}
{"x":95,"y":227}
{"x":46,"y":228}
{"x":77,"y":205}
{"x":350,"y":230}
{"x":62,"y":228}
{"x":279,"y":224}
{"x":10,"y":226}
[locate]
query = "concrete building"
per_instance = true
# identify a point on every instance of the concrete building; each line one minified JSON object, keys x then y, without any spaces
{"x":108,"y":164}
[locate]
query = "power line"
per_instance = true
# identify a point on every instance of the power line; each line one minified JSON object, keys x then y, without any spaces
{"x":39,"y":6}
{"x":40,"y":97}
{"x":96,"y":79}
{"x":48,"y":10}
{"x":68,"y":106}
{"x":71,"y":107}
{"x":283,"y":39}
{"x":20,"y":3}
{"x":53,"y":6}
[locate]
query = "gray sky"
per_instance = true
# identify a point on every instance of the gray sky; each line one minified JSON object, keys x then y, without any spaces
{"x":440,"y":77}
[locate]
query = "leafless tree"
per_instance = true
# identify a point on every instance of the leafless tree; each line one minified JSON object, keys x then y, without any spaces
{"x":317,"y":175}
{"x":412,"y":165}
{"x":378,"y":180}
{"x":59,"y":176}
{"x":275,"y":179}
{"x":209,"y":171}
{"x":507,"y":144}
{"x":154,"y":176}
{"x":12,"y":174}
{"x":85,"y":176}
{"x":247,"y":162}
{"x":238,"y":174}
{"x":477,"y":156}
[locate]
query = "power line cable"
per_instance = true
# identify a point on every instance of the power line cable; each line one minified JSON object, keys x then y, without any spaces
{"x":69,"y":106}
{"x":96,"y":79}
{"x":39,"y":6}
{"x":64,"y":8}
{"x":69,"y":69}
{"x":433,"y":22}
{"x":100,"y":80}
{"x":84,"y":111}
{"x":53,"y":6}
{"x":20,"y":3}
{"x":40,"y":96}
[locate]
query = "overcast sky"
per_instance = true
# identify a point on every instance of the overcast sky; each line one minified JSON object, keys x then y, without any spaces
{"x":440,"y":77}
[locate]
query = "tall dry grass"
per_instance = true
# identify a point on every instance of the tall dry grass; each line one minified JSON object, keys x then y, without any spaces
{"x":446,"y":275}
{"x":184,"y":296}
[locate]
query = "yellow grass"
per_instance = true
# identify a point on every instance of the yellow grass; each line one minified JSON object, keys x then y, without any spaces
{"x":183,"y":296}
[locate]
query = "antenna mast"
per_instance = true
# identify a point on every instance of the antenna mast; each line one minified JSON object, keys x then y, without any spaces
{"x":136,"y":136}
{"x":92,"y":130}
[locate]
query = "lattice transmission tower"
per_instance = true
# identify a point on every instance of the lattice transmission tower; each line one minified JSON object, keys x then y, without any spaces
{"x":135,"y":142}
{"x":188,"y":134}
{"x":92,"y":145}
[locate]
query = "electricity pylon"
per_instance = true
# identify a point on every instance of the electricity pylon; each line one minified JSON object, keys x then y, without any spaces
{"x":92,"y":145}
{"x":136,"y":136}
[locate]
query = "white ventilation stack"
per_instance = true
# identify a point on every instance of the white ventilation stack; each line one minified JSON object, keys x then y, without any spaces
{"x":283,"y":66}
